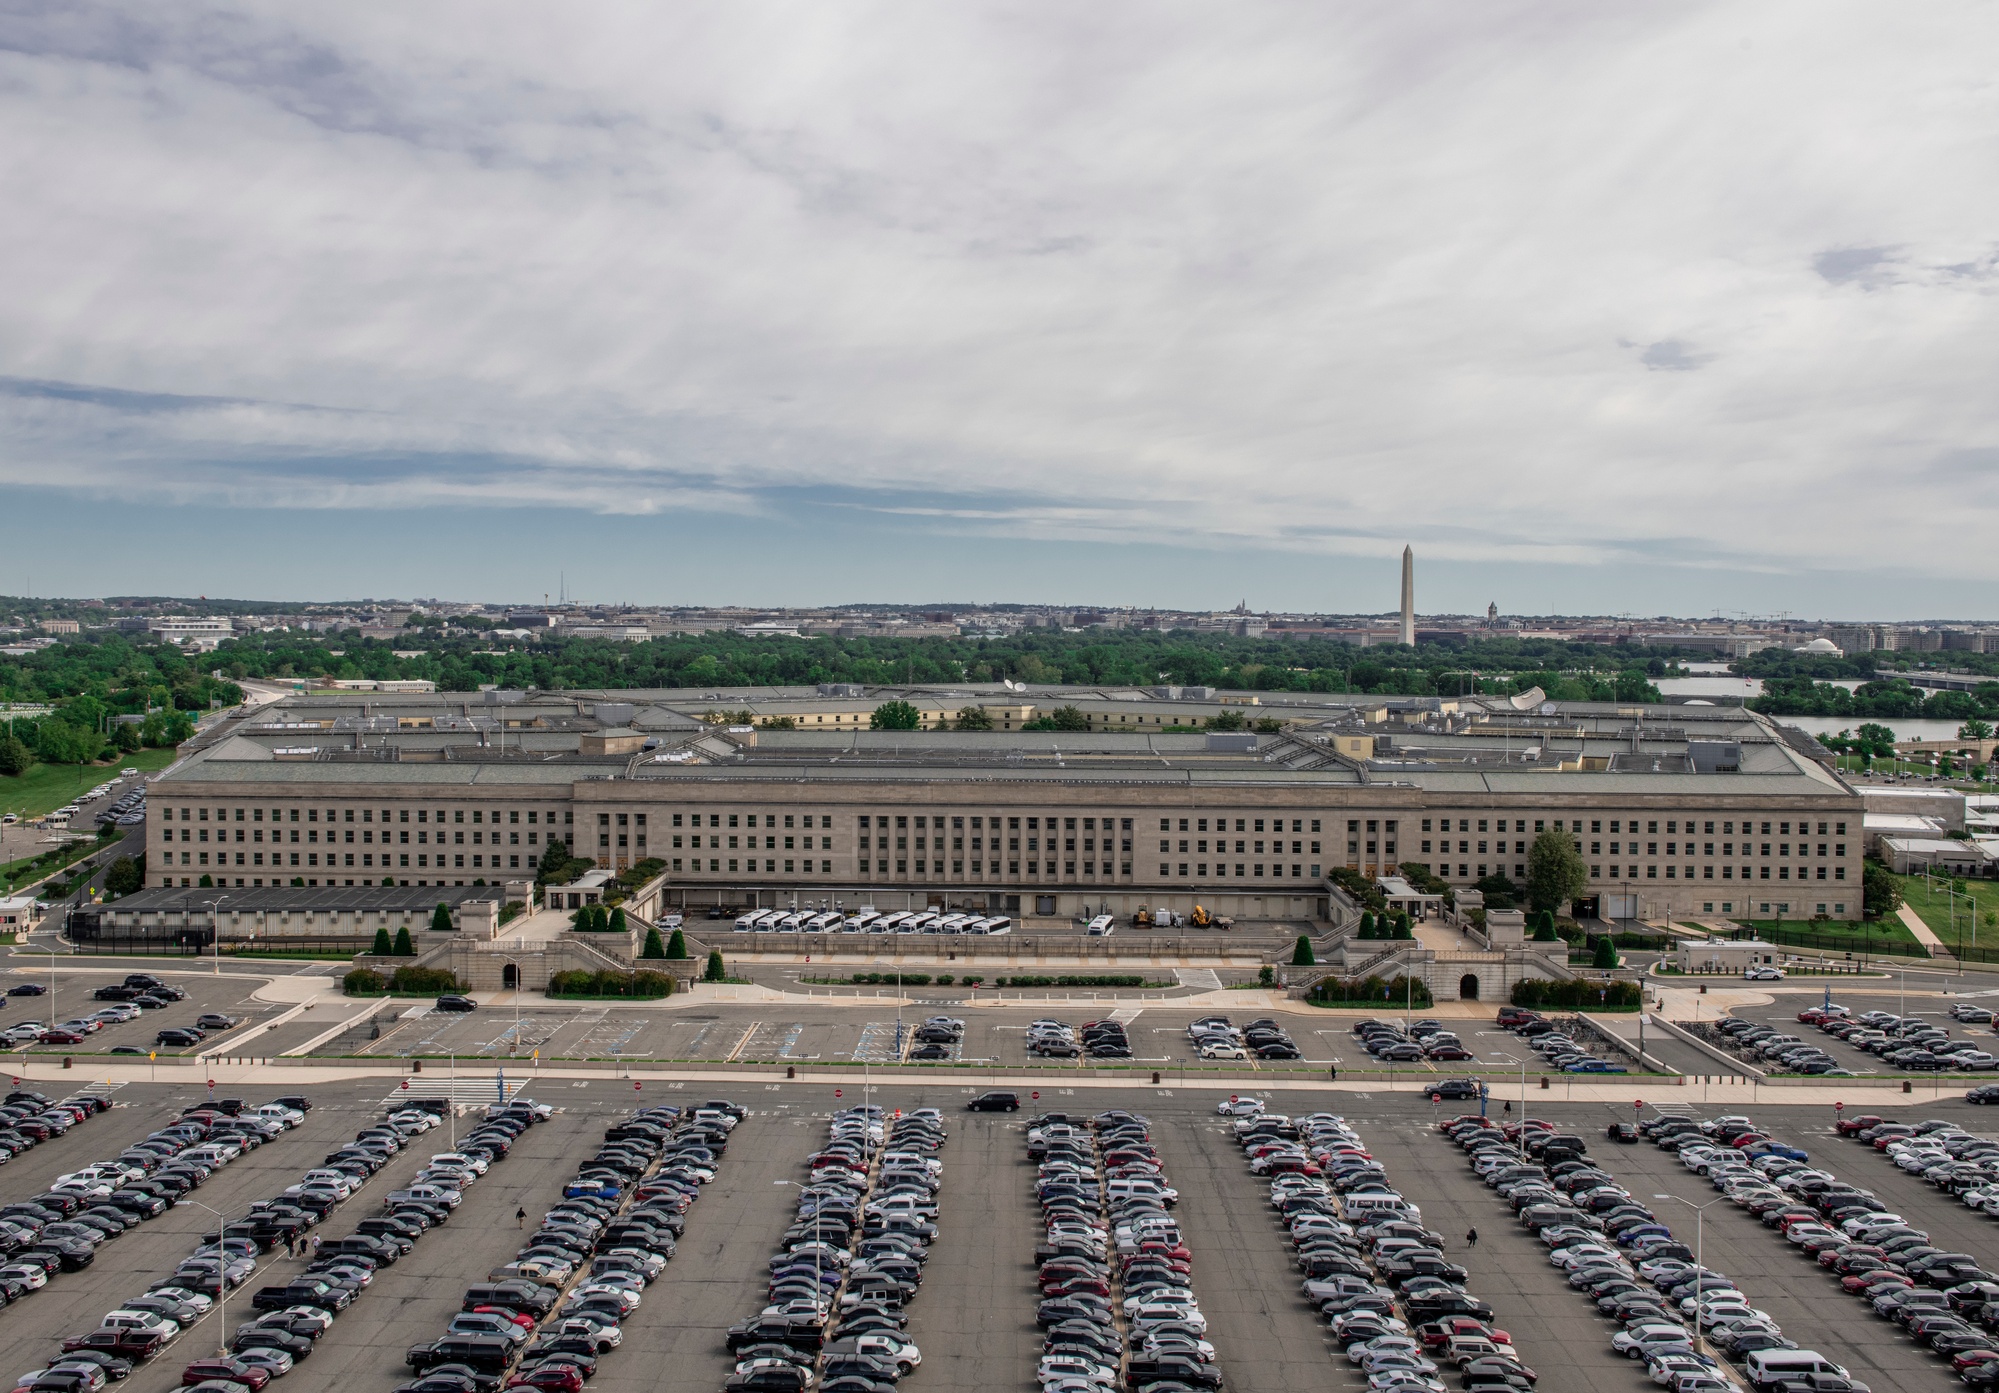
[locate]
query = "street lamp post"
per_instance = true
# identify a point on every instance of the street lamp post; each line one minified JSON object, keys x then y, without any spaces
{"x":215,"y":931}
{"x":1520,"y":1138}
{"x":1700,"y":1268}
{"x":222,"y":1283}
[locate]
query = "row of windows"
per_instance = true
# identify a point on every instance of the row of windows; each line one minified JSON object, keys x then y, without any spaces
{"x":1705,"y":826}
{"x":1631,"y":848}
{"x":532,"y":816}
{"x":312,"y":835}
{"x":479,"y":860}
{"x":1651,"y":871}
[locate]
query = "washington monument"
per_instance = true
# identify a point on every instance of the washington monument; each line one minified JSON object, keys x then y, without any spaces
{"x":1409,"y":596}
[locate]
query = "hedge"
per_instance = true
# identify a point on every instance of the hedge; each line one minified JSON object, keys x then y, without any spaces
{"x":875,"y":979}
{"x":1074,"y":980}
{"x":1576,"y":995}
{"x":1370,"y":991}
{"x":405,"y":981}
{"x":610,"y":983}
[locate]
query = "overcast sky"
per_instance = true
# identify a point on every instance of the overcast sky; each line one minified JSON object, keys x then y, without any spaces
{"x":1659,"y":308}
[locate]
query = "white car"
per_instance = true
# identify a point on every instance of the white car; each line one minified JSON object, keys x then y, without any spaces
{"x":1239,"y":1107}
{"x":1763,"y":974}
{"x":1222,"y":1049}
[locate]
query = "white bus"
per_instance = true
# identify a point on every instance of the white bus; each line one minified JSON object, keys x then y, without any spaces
{"x":999,"y":925}
{"x":1102,"y":926}
{"x":820,"y":923}
{"x":953,"y":923}
{"x":890,"y":923}
{"x":923,"y":923}
{"x":747,"y":922}
{"x":860,"y":923}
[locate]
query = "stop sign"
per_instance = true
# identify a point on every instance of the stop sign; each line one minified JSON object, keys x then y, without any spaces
{"x":636,"y":1085}
{"x":1637,"y":1103}
{"x":1839,"y":1107}
{"x":1232,"y":1097}
{"x":406,"y":1083}
{"x":836,"y":1093}
{"x":1036,"y":1095}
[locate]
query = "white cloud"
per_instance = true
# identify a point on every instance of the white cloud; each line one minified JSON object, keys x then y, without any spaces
{"x":1699,"y":284}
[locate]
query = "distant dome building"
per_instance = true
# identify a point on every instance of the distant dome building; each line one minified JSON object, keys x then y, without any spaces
{"x":1820,"y":645}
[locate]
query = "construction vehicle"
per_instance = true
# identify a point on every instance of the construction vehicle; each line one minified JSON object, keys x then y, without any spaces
{"x":1201,"y":919}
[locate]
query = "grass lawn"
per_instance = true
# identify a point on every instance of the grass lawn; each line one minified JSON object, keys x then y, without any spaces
{"x":49,"y":786}
{"x":1849,"y":936}
{"x":1930,"y":900}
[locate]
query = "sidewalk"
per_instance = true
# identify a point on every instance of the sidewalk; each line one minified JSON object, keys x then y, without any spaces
{"x":1925,"y":935}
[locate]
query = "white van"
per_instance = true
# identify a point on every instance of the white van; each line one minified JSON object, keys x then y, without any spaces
{"x":1101,"y":926}
{"x":1769,"y":1367}
{"x":1374,"y":1206}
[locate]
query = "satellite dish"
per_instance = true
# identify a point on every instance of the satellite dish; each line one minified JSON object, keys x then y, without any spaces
{"x":1547,"y":708}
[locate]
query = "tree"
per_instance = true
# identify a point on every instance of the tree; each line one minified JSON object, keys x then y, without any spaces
{"x":1880,"y":892}
{"x":125,"y":738}
{"x":1544,"y":927}
{"x":1228,"y":720}
{"x":440,"y":918}
{"x":618,"y":924}
{"x":404,"y":948}
{"x":654,"y":948}
{"x":1606,"y":954}
{"x":124,"y":877}
{"x":1556,"y":873}
{"x":388,"y":880}
{"x":1366,"y":929}
{"x":715,"y":972}
{"x":15,"y":756}
{"x":553,"y":859}
{"x":1975,"y":729}
{"x":1403,"y":928}
{"x":1301,"y":954}
{"x":974,"y":718}
{"x":205,"y":883}
{"x":59,"y":742}
{"x":676,"y":947}
{"x":382,"y":948}
{"x":1499,"y":891}
{"x":895,"y":715}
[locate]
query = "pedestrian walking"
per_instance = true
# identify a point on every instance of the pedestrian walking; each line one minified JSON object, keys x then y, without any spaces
{"x":520,"y":1218}
{"x":315,"y":1245}
{"x":1471,"y":1238}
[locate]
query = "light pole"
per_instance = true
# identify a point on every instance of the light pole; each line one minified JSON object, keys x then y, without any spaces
{"x":222,"y":1281}
{"x":1700,"y":1268}
{"x":1520,"y":1138}
{"x":215,"y":930}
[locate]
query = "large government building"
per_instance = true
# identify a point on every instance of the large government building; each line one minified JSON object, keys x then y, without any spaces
{"x":784,"y":795}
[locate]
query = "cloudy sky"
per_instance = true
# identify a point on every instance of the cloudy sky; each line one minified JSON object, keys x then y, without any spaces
{"x":1662,"y":309}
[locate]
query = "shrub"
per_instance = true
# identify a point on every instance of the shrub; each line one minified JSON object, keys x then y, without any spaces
{"x":1301,"y":955}
{"x":404,"y":948}
{"x":364,"y":981}
{"x":1266,"y":975}
{"x":1366,"y":929}
{"x":1074,"y":980}
{"x":1576,"y":995}
{"x":648,"y":985}
{"x":1370,"y":991}
{"x":382,"y":948}
{"x":423,"y":981}
{"x":715,"y":971}
{"x":944,"y":979}
{"x":654,"y":948}
{"x":440,"y":918}
{"x":618,"y":924}
{"x":1403,"y":928}
{"x":1606,"y":954}
{"x":969,"y":981}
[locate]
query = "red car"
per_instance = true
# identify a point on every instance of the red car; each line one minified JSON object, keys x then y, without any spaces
{"x":60,"y":1037}
{"x":1972,"y":1358}
{"x":555,"y":1378}
{"x":1848,"y":1126}
{"x":232,"y":1370}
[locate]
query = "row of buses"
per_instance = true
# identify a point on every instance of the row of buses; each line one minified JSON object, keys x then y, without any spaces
{"x":866,"y":921}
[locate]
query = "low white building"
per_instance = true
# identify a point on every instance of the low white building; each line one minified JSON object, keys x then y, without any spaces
{"x":1913,"y":855}
{"x":1727,"y":954}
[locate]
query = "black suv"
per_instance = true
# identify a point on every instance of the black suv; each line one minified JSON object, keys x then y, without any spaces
{"x":994,"y":1102}
{"x":1454,"y":1088}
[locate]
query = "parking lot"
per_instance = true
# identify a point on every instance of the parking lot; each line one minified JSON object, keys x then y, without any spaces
{"x":1782,"y":1015}
{"x":69,"y":993}
{"x":975,"y":1319}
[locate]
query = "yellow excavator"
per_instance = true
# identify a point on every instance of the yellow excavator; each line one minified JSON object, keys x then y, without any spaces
{"x":1201,"y":919}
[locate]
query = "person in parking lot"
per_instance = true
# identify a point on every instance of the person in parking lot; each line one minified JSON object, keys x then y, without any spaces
{"x":1471,"y":1238}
